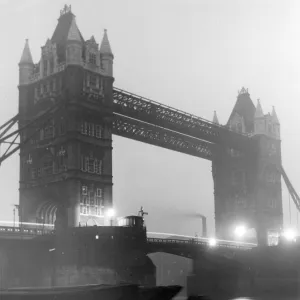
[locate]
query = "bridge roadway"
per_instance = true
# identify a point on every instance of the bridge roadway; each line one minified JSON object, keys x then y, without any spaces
{"x":26,"y":232}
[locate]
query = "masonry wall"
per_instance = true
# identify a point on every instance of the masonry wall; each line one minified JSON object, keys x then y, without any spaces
{"x":77,"y":257}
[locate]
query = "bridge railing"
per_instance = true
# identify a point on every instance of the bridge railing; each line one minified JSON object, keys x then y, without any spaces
{"x":221,"y":244}
{"x":24,"y":231}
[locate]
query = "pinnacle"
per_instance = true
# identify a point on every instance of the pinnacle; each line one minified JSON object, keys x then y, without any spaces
{"x":259,"y":112}
{"x":215,"y":118}
{"x":105,"y":45}
{"x":73,"y":34}
{"x":26,"y":57}
{"x":274,"y":116}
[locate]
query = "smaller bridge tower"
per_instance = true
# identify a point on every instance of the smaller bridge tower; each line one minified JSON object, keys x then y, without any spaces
{"x":247,"y":184}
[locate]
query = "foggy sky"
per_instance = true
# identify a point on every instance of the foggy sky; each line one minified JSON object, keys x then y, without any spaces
{"x":192,"y":55}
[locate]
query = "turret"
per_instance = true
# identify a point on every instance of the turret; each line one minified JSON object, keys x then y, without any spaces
{"x":26,"y":65}
{"x":106,"y":55}
{"x":74,"y":45}
{"x":276,"y":124}
{"x":266,"y":124}
{"x":215,"y":118}
{"x":259,"y":120}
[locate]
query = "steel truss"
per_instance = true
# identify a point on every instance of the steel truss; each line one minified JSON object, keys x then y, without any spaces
{"x":161,"y":137}
{"x":41,"y":120}
{"x":291,"y":189}
{"x":145,"y":110}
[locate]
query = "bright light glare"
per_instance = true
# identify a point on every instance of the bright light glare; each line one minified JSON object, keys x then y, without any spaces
{"x":240,"y":231}
{"x":110,"y":212}
{"x":97,"y":237}
{"x":290,"y":234}
{"x":212,"y":242}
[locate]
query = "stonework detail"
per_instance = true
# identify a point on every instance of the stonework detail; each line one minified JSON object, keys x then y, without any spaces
{"x":248,"y":185}
{"x":68,"y":154}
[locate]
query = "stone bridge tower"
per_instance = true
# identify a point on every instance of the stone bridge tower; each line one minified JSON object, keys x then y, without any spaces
{"x":248,"y":184}
{"x":66,"y":167}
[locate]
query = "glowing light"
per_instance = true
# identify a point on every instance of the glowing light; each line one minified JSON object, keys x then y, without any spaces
{"x":240,"y":231}
{"x":290,"y":234}
{"x":212,"y":242}
{"x":110,"y":213}
{"x":149,"y":233}
{"x":26,"y":223}
{"x":97,"y":237}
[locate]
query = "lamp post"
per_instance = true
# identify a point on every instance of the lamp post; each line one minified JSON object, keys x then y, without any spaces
{"x":142,"y":213}
{"x":16,"y":206}
{"x":111,"y":214}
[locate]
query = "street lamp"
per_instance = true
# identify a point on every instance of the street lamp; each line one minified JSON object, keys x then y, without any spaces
{"x":111,"y":213}
{"x":212,"y":242}
{"x":290,"y":234}
{"x":240,"y":231}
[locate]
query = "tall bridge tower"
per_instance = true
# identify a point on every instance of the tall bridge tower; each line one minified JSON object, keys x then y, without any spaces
{"x":248,"y":184}
{"x":66,"y":168}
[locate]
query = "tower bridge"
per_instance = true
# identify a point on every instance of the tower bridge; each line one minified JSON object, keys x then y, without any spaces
{"x":69,"y":110}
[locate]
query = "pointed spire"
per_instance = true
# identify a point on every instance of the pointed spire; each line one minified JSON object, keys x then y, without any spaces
{"x":274,"y":116}
{"x":74,"y":34}
{"x":259,"y":112}
{"x":105,"y":46}
{"x":26,"y":57}
{"x":215,"y":118}
{"x":242,"y":91}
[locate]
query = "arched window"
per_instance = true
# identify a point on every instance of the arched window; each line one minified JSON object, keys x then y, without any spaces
{"x":239,"y":127}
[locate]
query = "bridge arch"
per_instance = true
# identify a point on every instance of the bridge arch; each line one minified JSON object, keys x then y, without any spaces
{"x":46,"y":212}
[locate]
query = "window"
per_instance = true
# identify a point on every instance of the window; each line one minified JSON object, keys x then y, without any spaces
{"x":48,"y":86}
{"x":84,"y":127}
{"x":45,"y":67}
{"x":62,"y":127}
{"x":53,"y":87}
{"x":48,"y":132}
{"x":98,"y":201}
{"x":271,"y":177}
{"x":84,"y":190}
{"x":99,"y":193}
{"x":48,"y":162}
{"x":239,"y":127}
{"x":98,"y":166}
{"x":91,"y":129}
{"x":33,"y":173}
{"x":83,"y":210}
{"x":51,"y":65}
{"x":84,"y":163}
{"x":98,"y":211}
{"x":93,"y":81}
{"x":87,"y":210}
{"x":273,"y":202}
{"x":91,"y":165}
{"x":92,"y":58}
{"x":98,"y":131}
